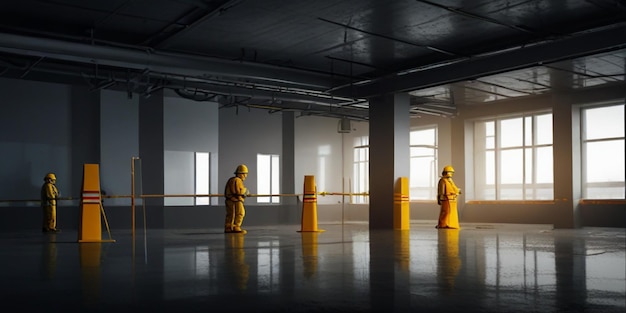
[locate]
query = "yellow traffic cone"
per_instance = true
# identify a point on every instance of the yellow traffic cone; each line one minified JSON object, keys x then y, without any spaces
{"x":309,"y":205}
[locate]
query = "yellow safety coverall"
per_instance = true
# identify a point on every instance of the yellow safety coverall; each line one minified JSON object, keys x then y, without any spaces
{"x":49,"y":195}
{"x":235,"y":193}
{"x":447,"y":193}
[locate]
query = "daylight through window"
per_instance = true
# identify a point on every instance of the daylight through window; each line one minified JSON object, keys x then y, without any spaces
{"x":603,"y":152}
{"x":513,"y":158}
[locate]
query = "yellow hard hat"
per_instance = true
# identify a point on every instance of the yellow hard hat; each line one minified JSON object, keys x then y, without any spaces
{"x":448,"y":168}
{"x":50,"y":176}
{"x":241,"y":169}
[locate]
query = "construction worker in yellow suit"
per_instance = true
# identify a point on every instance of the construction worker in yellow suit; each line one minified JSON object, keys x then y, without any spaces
{"x":49,"y":195}
{"x":447,"y":194}
{"x":235,"y":193}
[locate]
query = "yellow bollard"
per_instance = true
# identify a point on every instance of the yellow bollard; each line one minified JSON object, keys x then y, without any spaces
{"x":401,"y":208}
{"x":90,"y":223}
{"x":309,"y":205}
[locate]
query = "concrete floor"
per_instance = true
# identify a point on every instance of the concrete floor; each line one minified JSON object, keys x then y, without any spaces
{"x":480,"y":268}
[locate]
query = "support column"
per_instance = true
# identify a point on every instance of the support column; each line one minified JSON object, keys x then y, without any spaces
{"x":562,"y":148}
{"x":457,"y":150}
{"x":389,"y":154}
{"x":151,"y":153}
{"x":288,"y":214}
{"x":85,"y":130}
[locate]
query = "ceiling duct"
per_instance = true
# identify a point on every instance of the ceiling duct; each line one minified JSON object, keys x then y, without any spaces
{"x":141,"y":58}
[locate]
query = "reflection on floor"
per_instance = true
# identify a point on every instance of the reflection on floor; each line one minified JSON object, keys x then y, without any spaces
{"x":480,"y":268}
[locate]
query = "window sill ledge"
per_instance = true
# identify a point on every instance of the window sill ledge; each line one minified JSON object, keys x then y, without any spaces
{"x":602,"y":201}
{"x":511,"y":202}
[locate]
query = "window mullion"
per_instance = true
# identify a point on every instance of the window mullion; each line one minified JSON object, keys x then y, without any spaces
{"x":524,"y":154}
{"x":496,"y":156}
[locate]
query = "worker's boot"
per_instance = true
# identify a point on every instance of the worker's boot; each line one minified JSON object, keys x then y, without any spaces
{"x":237,"y":229}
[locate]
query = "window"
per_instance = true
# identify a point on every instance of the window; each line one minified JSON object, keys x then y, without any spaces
{"x":202,"y":177}
{"x":423,"y":168}
{"x":361,"y":168}
{"x":603,"y":152}
{"x":513,"y":158}
{"x":186,"y":173}
{"x":268,"y":177}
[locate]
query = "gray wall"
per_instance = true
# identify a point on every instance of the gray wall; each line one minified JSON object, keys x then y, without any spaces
{"x":119,"y":143}
{"x":190,"y":127}
{"x":53,"y":127}
{"x":35,"y":138}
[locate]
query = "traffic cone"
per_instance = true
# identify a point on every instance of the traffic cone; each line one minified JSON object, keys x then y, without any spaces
{"x":309,"y":206}
{"x":90,"y":223}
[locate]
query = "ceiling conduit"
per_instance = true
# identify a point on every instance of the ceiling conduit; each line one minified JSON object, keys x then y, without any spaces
{"x":160,"y":61}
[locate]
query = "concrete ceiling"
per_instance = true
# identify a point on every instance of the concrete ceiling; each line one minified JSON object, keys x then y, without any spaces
{"x":317,"y":57}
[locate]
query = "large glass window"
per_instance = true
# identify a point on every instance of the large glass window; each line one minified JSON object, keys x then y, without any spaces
{"x":513,"y":158}
{"x":603,"y":152}
{"x":268,"y":177}
{"x":361,"y":168}
{"x":423,"y":168}
{"x":186,"y":173}
{"x":202,"y":177}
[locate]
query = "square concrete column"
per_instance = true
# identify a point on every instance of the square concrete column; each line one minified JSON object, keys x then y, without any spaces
{"x":287,"y":179}
{"x":564,"y":136}
{"x":389,"y":154}
{"x":85,"y":131}
{"x":151,"y":152}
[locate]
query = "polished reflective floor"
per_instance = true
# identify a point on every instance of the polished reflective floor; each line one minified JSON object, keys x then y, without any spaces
{"x":346,"y":268}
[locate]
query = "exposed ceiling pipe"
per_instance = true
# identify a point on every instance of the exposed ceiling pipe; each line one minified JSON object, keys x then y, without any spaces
{"x":210,"y":87}
{"x":161,"y":61}
{"x":425,"y":109}
{"x":286,"y":106}
{"x":253,"y":92}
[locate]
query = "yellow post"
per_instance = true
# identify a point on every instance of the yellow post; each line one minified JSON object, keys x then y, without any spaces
{"x":401,"y":207}
{"x":90,"y":223}
{"x":309,"y":205}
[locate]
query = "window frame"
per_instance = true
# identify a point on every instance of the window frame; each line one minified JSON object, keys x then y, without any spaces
{"x":361,"y":147}
{"x":528,"y":187}
{"x":584,"y":148}
{"x":188,"y":177}
{"x":274,"y":179}
{"x":200,"y":200}
{"x":433,"y":174}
